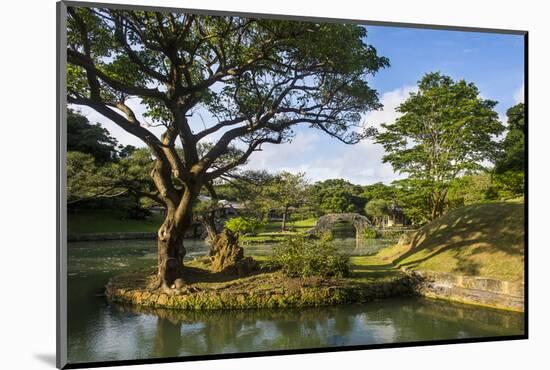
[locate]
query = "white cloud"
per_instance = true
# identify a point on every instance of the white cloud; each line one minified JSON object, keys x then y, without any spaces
{"x":519,"y":94}
{"x":391,"y":100}
{"x":321,"y":158}
{"x":285,"y":157}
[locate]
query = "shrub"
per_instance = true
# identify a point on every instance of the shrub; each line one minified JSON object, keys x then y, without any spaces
{"x":370,"y":234}
{"x":302,"y":257}
{"x":243,"y":225}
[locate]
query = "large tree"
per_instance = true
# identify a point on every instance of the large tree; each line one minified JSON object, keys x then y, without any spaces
{"x":255,"y":78}
{"x":446,"y":129}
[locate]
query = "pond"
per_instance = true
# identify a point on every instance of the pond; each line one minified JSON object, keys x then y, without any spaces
{"x":99,"y":331}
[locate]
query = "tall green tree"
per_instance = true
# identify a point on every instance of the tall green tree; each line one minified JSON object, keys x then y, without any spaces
{"x":446,"y":129}
{"x":256,"y":79}
{"x":509,"y":172}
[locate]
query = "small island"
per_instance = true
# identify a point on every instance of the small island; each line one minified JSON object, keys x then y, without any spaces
{"x":469,"y":263}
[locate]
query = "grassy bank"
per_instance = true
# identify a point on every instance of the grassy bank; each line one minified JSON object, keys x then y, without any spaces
{"x":115,"y":221}
{"x":109,"y":221}
{"x":479,"y":240}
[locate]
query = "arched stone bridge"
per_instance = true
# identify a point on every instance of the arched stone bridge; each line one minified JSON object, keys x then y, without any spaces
{"x":326,"y":223}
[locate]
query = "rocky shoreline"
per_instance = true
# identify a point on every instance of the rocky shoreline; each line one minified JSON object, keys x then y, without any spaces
{"x":272,"y":290}
{"x":268,"y":290}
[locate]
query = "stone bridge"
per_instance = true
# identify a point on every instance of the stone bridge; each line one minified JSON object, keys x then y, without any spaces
{"x":326,"y":223}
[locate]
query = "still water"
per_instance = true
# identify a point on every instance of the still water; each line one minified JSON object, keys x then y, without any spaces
{"x":98,"y":331}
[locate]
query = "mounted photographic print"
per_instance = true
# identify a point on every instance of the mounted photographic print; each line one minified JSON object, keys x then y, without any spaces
{"x":241,"y":185}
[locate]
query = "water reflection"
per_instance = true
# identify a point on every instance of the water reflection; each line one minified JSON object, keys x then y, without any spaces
{"x":99,"y":331}
{"x":180,"y":333}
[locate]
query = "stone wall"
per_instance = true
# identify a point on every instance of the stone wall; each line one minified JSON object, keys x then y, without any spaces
{"x":472,"y":290}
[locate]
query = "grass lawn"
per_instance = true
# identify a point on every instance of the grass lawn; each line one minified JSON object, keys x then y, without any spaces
{"x":271,"y":232}
{"x":296,"y":225}
{"x":109,"y":221}
{"x":478,"y":240}
{"x":369,"y":269}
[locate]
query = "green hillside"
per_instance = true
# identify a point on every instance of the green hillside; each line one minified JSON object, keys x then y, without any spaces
{"x":479,"y":240}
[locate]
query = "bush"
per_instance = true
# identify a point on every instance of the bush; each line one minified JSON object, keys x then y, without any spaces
{"x":243,"y":225}
{"x":370,"y":234}
{"x":301,"y":257}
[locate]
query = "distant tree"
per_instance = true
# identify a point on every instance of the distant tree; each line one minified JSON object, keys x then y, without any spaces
{"x":247,"y":188}
{"x":414,"y":198}
{"x":377,"y":209}
{"x":286,"y":190}
{"x":243,"y":225}
{"x":469,"y":189}
{"x":125,"y":151}
{"x":446,"y":130}
{"x":336,"y":196}
{"x":93,"y":139}
{"x":379,"y":191}
{"x":129,"y":176}
{"x":509,"y":169}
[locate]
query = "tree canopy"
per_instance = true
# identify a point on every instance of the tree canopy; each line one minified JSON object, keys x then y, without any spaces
{"x":256,"y":78}
{"x":84,"y":137}
{"x":446,"y":129}
{"x":336,"y":196}
{"x":513,"y":158}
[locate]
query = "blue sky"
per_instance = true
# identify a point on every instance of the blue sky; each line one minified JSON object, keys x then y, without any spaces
{"x":494,"y":62}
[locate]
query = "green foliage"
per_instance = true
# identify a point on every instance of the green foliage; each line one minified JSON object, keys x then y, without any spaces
{"x":370,"y":234}
{"x":446,"y":129}
{"x":377,"y":209}
{"x":507,"y":185}
{"x":470,"y":189}
{"x":119,"y":184}
{"x":84,"y":137}
{"x":285,"y":190}
{"x":414,"y":199}
{"x":83,"y":178}
{"x":509,"y":170}
{"x":335,"y":196}
{"x":379,"y":191}
{"x":243,"y":225}
{"x":302,"y":257}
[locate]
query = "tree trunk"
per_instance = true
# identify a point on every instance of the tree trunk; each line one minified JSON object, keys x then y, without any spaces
{"x":438,"y":203}
{"x":285,"y":212}
{"x":170,"y":251}
{"x":210,"y":224}
{"x":170,"y":237}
